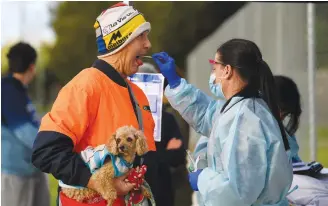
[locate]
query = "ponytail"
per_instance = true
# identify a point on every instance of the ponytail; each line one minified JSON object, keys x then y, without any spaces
{"x":268,"y":93}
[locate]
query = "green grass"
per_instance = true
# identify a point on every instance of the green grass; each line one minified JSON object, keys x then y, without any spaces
{"x":323,"y":146}
{"x":53,"y":183}
{"x":322,"y":157}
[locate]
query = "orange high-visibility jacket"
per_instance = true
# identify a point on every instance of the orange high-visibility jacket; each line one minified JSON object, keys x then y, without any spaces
{"x":87,"y":112}
{"x":93,"y":105}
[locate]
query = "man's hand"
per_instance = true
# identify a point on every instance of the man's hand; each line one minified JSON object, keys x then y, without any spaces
{"x":122,"y":186}
{"x":174,"y":143}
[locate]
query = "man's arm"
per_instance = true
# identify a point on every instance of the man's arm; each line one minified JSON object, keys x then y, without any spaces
{"x":53,"y":153}
{"x":61,"y":129}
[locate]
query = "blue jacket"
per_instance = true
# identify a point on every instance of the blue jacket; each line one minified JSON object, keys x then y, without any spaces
{"x":19,"y":127}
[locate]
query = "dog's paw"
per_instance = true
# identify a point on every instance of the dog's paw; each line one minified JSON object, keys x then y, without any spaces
{"x":110,"y":202}
{"x":110,"y":197}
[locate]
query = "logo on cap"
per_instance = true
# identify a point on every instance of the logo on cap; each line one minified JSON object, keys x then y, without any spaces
{"x":115,"y":36}
{"x":116,"y":40}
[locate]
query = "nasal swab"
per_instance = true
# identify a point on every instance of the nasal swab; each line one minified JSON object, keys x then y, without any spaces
{"x":149,"y":57}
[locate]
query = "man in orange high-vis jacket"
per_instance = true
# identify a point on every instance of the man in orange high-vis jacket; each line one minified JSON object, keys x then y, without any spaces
{"x":96,"y":102}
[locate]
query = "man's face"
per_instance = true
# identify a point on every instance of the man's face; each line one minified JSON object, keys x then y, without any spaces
{"x":30,"y":73}
{"x":136,"y":49}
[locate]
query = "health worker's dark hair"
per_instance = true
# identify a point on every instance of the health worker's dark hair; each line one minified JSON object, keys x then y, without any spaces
{"x":245,"y":57}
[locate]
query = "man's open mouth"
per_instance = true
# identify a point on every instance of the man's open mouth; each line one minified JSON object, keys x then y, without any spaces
{"x":139,"y":61}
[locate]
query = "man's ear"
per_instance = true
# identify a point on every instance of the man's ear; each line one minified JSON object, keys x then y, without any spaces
{"x":141,"y":144}
{"x":32,"y":66}
{"x":112,"y":145}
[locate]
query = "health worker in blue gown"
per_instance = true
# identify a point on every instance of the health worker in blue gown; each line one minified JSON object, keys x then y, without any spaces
{"x":248,"y":154}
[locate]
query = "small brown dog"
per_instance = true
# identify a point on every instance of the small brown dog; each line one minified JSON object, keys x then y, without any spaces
{"x":125,"y":144}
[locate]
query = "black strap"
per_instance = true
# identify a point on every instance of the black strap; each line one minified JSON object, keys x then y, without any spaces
{"x":247,"y":92}
{"x":133,"y":104}
{"x":136,"y":108}
{"x":138,"y":161}
{"x":223,"y":108}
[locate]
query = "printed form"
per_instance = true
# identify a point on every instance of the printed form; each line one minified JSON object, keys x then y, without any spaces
{"x":152,"y":85}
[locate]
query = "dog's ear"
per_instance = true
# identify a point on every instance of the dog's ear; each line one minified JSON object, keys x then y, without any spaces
{"x":112,"y":145}
{"x":141,"y":144}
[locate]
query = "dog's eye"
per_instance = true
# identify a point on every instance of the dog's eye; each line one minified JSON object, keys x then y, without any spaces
{"x":118,"y":140}
{"x":129,"y":139}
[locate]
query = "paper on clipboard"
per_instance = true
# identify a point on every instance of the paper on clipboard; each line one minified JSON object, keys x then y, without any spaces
{"x":152,"y":85}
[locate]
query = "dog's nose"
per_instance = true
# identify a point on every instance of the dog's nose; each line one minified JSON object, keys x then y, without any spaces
{"x":121,"y":148}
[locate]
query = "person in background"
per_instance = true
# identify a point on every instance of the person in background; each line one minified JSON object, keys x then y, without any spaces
{"x":247,"y":151}
{"x":21,"y":183}
{"x":289,"y":102}
{"x":170,"y":152}
{"x":95,"y":103}
{"x":311,"y":191}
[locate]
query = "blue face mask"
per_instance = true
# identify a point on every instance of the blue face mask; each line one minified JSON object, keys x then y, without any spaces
{"x":294,"y":148}
{"x":216,"y":89}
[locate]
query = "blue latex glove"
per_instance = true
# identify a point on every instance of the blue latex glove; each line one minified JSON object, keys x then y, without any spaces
{"x":193,"y":179}
{"x":166,"y":65}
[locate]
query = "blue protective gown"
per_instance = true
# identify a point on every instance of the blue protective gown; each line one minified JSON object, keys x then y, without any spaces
{"x":247,"y":162}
